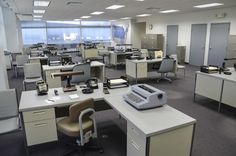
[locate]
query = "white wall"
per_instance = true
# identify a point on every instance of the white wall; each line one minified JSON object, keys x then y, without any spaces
{"x":11,"y":29}
{"x":185,"y":21}
{"x":3,"y":45}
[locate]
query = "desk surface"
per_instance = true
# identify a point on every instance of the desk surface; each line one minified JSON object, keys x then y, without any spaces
{"x":153,"y":121}
{"x":47,"y":67}
{"x":38,"y":57}
{"x":231,"y":77}
{"x":147,"y":61}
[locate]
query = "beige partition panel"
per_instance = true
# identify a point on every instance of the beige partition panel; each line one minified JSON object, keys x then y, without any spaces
{"x":174,"y":143}
{"x":52,"y":82}
{"x":208,"y":86}
{"x":228,"y":96}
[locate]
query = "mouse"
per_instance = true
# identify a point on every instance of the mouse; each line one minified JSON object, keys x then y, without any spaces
{"x":55,"y":92}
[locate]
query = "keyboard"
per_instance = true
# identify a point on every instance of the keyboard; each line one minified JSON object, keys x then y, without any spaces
{"x":134,"y":98}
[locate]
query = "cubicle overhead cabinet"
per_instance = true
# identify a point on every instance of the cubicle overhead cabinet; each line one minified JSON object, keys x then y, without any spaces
{"x":152,"y":41}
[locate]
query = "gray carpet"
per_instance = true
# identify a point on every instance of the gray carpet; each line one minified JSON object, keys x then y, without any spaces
{"x":215,"y":133}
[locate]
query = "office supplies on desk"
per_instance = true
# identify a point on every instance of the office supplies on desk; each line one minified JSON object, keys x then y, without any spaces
{"x":87,"y":90}
{"x":41,"y":87}
{"x":117,"y":82}
{"x":209,"y":69}
{"x":92,"y":83}
{"x":143,"y":96}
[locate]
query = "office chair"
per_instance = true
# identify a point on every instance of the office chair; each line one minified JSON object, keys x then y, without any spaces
{"x":178,"y":66}
{"x":167,"y":65}
{"x":85,"y":67}
{"x":9,"y":116}
{"x":32,"y":72}
{"x":20,"y":61}
{"x":80,"y":124}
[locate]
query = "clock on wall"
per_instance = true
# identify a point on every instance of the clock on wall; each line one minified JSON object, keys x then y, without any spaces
{"x":150,"y":26}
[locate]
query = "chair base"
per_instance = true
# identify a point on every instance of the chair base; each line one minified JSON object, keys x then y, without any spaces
{"x":163,"y":77}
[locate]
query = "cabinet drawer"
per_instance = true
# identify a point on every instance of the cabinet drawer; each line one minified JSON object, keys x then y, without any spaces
{"x":39,"y":115}
{"x":133,"y":148}
{"x":40,"y":132}
{"x":136,"y":135}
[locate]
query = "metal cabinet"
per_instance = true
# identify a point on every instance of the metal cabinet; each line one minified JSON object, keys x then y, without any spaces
{"x":180,"y":51}
{"x":152,"y":41}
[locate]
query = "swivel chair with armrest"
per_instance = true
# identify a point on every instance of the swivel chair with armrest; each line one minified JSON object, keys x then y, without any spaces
{"x":167,"y":65}
{"x":80,"y":124}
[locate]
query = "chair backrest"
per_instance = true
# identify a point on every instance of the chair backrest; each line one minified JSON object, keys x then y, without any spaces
{"x":167,"y":65}
{"x":158,"y":54}
{"x":21,"y":59}
{"x":32,"y":70}
{"x":75,"y":109}
{"x":174,"y":56}
{"x":86,"y":68}
{"x":8,"y":103}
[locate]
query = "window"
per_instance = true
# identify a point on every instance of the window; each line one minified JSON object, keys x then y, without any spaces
{"x":34,"y":35}
{"x":96,"y":34}
{"x":63,"y":35}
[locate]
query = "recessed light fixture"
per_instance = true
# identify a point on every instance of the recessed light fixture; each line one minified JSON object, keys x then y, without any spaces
{"x":37,"y":19}
{"x":85,"y":16}
{"x":39,"y":11}
{"x":113,"y":7}
{"x":168,"y":11}
{"x":125,"y":18}
{"x":208,"y":5}
{"x":139,"y":0}
{"x":38,"y":16}
{"x":77,"y":19}
{"x":144,"y":15}
{"x":97,"y":13}
{"x":41,"y":3}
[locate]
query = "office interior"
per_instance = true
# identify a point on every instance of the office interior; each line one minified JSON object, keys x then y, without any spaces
{"x":130,"y":43}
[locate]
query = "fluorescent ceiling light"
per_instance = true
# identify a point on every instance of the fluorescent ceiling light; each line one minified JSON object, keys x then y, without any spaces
{"x":36,"y":19}
{"x":144,"y":15}
{"x":168,"y":11}
{"x":139,"y":0}
{"x":41,"y":3}
{"x":38,"y":16}
{"x":208,"y":5}
{"x":39,"y":11}
{"x":85,"y":16}
{"x":126,"y":18}
{"x":113,"y":7}
{"x":64,"y":22}
{"x":112,"y":20}
{"x":97,"y":13}
{"x":77,"y":19}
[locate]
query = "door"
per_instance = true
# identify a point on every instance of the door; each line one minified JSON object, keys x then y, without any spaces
{"x":198,"y":41}
{"x":172,"y":39}
{"x":218,"y":43}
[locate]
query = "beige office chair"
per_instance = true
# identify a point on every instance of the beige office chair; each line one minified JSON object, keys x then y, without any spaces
{"x":32,"y":72}
{"x":80,"y":124}
{"x":20,"y":61}
{"x":9,"y":116}
{"x":178,"y":66}
{"x":167,"y":65}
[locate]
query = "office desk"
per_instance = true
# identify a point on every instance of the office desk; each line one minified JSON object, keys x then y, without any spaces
{"x":140,"y":68}
{"x":117,"y":58}
{"x":97,"y":70}
{"x":219,"y":87}
{"x":161,"y":131}
{"x":37,"y":59}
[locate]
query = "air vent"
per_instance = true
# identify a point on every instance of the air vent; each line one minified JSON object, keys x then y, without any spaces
{"x":153,"y":8}
{"x":73,"y":3}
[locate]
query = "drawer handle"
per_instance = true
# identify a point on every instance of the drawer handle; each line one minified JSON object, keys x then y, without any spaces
{"x":41,"y":125}
{"x":39,"y":113}
{"x":137,"y":147}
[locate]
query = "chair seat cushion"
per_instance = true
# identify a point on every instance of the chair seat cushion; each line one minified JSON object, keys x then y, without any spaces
{"x":72,"y":128}
{"x":8,"y":125}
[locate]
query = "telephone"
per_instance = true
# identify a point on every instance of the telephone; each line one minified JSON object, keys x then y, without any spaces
{"x":92,"y":83}
{"x":41,"y":87}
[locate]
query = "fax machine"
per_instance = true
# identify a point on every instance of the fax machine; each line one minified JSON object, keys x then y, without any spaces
{"x":143,"y":96}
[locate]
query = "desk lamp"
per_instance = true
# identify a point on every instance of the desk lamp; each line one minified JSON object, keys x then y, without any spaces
{"x":68,"y":87}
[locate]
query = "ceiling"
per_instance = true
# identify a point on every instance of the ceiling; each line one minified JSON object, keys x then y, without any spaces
{"x":59,"y":10}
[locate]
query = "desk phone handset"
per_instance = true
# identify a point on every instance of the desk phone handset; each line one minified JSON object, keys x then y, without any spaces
{"x":42,"y":87}
{"x":92,"y":83}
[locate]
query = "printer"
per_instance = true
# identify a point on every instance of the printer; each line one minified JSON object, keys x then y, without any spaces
{"x":143,"y":96}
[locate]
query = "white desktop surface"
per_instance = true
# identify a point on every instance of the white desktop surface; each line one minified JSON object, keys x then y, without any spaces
{"x":147,"y":61}
{"x":231,"y":77}
{"x":152,"y":121}
{"x":47,"y":67}
{"x":38,"y":57}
